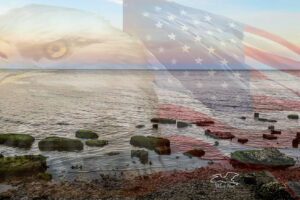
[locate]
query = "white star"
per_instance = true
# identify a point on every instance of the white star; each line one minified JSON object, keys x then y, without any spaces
{"x":199,"y":85}
{"x":171,"y":17}
{"x":209,"y":33}
{"x":183,"y":12}
{"x":145,"y":14}
{"x":198,"y":60}
{"x":223,"y":43}
{"x":159,"y":25}
{"x":196,"y":22}
{"x":158,"y":8}
{"x":186,"y":48}
{"x":220,"y":30}
{"x":224,"y":62}
{"x":211,"y":73}
{"x":198,"y":38}
{"x":232,"y":25}
{"x":224,"y":85}
{"x":207,"y":18}
{"x":172,"y":36}
{"x":233,"y":41}
{"x":161,"y":50}
{"x":170,"y":80}
{"x":184,"y":28}
{"x":148,"y":37}
{"x":186,"y":73}
{"x":237,"y":75}
{"x":211,"y":50}
{"x":174,"y":61}
{"x":238,"y":98}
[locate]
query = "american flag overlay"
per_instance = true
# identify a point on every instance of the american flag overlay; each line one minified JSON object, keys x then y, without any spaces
{"x":214,"y":59}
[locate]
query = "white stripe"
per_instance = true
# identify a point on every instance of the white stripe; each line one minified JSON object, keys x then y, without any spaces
{"x":269,"y":46}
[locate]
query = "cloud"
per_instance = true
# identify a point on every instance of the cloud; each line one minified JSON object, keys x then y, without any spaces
{"x":117,"y":1}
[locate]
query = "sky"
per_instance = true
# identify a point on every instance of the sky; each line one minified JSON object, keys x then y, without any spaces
{"x":277,"y":16}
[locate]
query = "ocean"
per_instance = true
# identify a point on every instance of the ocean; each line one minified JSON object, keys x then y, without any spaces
{"x":113,"y":102}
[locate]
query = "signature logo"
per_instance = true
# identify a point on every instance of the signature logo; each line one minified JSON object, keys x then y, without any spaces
{"x":226,"y":181}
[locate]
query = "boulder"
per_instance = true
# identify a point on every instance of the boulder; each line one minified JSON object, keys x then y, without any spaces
{"x":141,"y":154}
{"x":219,"y":135}
{"x":204,"y":123}
{"x":155,"y":126}
{"x":243,"y":118}
{"x":140,"y":126}
{"x":277,"y":132}
{"x":22,"y":165}
{"x":293,"y":116}
{"x":271,"y":127}
{"x":44,"y":176}
{"x":295,"y":142}
{"x":60,"y":144}
{"x":256,"y":115}
{"x":268,"y":157}
{"x":86,"y":134}
{"x":163,"y":121}
{"x":113,"y":153}
{"x":273,"y":191}
{"x":269,"y":137}
{"x":96,"y":143}
{"x":242,"y":140}
{"x":160,"y":145}
{"x":16,"y":140}
{"x":182,"y":124}
{"x":195,"y":153}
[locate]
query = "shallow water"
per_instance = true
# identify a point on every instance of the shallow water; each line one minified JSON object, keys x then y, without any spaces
{"x":112,"y":103}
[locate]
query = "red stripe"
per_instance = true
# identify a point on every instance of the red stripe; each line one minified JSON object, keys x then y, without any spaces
{"x":272,"y":37}
{"x":272,"y":60}
{"x":254,"y":136}
{"x":264,"y":104}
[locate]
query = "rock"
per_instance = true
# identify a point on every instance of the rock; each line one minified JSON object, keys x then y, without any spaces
{"x":268,"y":157}
{"x":96,"y":143}
{"x":242,"y":140}
{"x":22,"y":165}
{"x":269,"y":137}
{"x":155,"y":126}
{"x":298,"y":135}
{"x":204,"y":123}
{"x":263,"y":119}
{"x":273,"y":191}
{"x":295,"y":142}
{"x":243,"y":118}
{"x":293,"y":116}
{"x":44,"y":176}
{"x":278,"y":132}
{"x":140,"y":126}
{"x":256,"y":115}
{"x":182,"y":124}
{"x":160,"y":145}
{"x":163,"y":121}
{"x":271,"y":127}
{"x":1,"y":156}
{"x":113,"y":153}
{"x":216,"y":143}
{"x":194,"y":153}
{"x":16,"y":140}
{"x":86,"y":134}
{"x":219,"y":135}
{"x":60,"y":144}
{"x":141,"y":154}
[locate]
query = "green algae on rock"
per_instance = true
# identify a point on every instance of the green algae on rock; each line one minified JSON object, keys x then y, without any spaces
{"x":141,"y":154}
{"x":268,"y":157}
{"x":16,"y":140}
{"x":160,"y":145}
{"x":194,"y":153}
{"x":22,"y":165}
{"x":60,"y":144}
{"x":293,"y":116}
{"x":44,"y":176}
{"x":96,"y":143}
{"x":86,"y":134}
